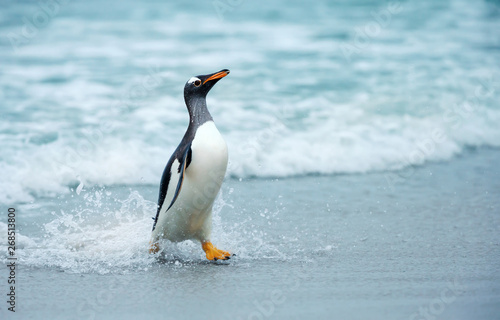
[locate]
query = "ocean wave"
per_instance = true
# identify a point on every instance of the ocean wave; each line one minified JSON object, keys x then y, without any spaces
{"x":330,"y":139}
{"x":113,"y":112}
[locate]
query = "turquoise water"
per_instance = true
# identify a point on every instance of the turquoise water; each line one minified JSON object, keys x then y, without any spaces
{"x":363,"y":145}
{"x":309,"y":93}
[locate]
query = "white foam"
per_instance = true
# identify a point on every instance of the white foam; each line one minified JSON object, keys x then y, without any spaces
{"x":292,"y":104}
{"x":331,"y":138}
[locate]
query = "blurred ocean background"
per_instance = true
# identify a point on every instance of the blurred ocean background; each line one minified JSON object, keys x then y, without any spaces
{"x":363,"y":144}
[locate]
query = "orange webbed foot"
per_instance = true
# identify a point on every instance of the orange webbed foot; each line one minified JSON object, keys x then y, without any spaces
{"x":154,"y":248}
{"x":213,"y":253}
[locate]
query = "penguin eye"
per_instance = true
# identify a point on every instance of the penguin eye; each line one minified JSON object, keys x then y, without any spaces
{"x":197,"y":83}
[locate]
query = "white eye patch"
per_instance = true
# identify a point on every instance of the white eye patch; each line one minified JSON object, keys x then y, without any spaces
{"x":193,"y":79}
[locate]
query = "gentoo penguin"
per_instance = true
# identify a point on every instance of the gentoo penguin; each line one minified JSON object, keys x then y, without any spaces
{"x":193,"y":175}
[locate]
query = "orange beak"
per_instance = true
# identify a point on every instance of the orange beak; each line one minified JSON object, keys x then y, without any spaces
{"x":218,"y":75}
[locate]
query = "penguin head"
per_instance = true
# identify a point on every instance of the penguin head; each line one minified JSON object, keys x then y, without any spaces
{"x":199,"y":86}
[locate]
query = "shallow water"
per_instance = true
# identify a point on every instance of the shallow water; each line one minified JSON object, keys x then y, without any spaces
{"x":354,"y":248}
{"x":361,"y":184}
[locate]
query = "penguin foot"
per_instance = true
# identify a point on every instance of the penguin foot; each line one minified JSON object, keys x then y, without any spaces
{"x":154,"y":248}
{"x":213,"y":253}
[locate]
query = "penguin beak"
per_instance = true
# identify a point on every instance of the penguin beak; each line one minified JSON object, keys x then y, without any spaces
{"x":218,"y":75}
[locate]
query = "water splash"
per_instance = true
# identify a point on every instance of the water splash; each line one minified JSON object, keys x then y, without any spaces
{"x":94,"y":237}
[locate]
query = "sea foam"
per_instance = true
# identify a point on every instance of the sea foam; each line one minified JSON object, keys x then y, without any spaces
{"x":112,"y":113}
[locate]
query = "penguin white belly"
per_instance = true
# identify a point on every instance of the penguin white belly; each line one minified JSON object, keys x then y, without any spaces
{"x":190,"y":217}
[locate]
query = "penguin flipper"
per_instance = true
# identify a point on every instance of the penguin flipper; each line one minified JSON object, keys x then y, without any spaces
{"x":182,"y":168}
{"x":166,"y":179}
{"x":174,"y":171}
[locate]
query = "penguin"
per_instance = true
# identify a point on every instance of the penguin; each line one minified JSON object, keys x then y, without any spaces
{"x":193,"y":176}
